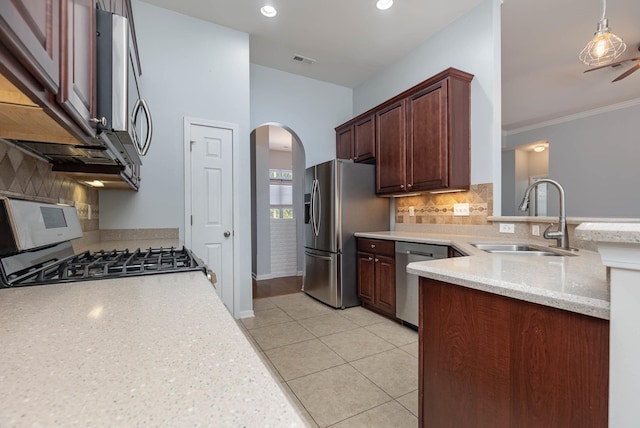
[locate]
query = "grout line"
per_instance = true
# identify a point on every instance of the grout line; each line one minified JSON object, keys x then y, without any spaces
{"x":400,"y":403}
{"x":364,"y":411}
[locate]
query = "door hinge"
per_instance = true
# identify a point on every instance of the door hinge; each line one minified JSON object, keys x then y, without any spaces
{"x":191,"y":220}
{"x":192,"y":142}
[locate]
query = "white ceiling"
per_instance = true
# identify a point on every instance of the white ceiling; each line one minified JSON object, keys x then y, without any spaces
{"x":351,"y":40}
{"x":542,"y":78}
{"x":279,"y":139}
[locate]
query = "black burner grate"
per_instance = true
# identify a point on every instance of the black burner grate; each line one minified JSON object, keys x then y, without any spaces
{"x":107,"y":264}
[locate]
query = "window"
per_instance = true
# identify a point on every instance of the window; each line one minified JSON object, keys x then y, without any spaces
{"x":281,"y":193}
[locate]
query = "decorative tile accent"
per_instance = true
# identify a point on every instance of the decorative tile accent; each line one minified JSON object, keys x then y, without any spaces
{"x":438,"y":208}
{"x":25,"y":177}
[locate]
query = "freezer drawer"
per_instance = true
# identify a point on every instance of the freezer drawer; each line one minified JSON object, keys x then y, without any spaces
{"x":321,"y":276}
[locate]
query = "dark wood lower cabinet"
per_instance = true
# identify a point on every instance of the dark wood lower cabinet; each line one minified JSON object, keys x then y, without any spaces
{"x":492,"y":361}
{"x":377,"y":275}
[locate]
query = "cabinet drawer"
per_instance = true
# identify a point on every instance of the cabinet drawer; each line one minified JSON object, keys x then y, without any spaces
{"x":377,"y":246}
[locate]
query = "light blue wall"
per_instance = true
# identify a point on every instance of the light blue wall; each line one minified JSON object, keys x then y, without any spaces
{"x":198,"y":69}
{"x":595,"y":158}
{"x":471,"y":44}
{"x":190,"y":68}
{"x":309,"y":107}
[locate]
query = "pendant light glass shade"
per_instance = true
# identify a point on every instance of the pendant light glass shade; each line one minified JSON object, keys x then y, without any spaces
{"x":605,"y":46}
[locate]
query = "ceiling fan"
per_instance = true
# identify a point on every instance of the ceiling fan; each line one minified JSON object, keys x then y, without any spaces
{"x":635,"y":67}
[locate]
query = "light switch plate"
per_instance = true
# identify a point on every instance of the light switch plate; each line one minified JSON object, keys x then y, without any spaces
{"x":507,"y":228}
{"x":412,"y":211}
{"x":461,"y":210}
{"x":535,"y":229}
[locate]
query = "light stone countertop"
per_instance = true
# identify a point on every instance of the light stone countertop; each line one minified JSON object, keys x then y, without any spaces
{"x":573,"y":283}
{"x":159,"y":350}
{"x":624,"y":233}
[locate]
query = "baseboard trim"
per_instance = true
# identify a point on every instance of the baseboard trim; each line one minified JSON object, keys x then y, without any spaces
{"x":274,"y":275}
{"x":246,"y":314}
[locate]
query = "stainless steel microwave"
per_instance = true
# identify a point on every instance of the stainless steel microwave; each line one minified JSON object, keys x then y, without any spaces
{"x":125,"y":120}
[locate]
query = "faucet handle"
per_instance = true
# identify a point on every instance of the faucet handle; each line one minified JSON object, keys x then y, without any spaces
{"x":548,"y":234}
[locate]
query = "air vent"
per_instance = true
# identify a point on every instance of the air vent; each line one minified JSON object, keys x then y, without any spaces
{"x":303,"y":59}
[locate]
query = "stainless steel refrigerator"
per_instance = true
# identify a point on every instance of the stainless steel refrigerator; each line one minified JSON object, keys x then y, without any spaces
{"x":340,"y":200}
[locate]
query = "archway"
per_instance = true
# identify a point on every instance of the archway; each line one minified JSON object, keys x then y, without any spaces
{"x":277,"y":207}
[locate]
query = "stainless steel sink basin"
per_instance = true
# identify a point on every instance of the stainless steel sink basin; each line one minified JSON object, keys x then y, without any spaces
{"x":520,"y":249}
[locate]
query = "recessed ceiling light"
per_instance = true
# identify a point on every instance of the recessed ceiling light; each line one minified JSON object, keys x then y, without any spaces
{"x":268,"y":11}
{"x":384,"y":4}
{"x":539,"y":148}
{"x":95,"y":183}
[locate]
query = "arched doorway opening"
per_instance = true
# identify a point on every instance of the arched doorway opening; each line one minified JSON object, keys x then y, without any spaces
{"x":277,"y":209}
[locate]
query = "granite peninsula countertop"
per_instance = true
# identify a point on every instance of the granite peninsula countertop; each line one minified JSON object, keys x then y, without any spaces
{"x":573,"y":283}
{"x":158,"y":350}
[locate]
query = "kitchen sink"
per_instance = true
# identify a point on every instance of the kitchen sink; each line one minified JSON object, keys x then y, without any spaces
{"x":520,"y":249}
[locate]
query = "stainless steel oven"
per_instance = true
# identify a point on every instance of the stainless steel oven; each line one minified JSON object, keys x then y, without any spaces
{"x":35,"y":249}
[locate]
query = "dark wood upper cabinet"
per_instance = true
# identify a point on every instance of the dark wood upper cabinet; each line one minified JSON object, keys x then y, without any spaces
{"x":364,"y":143}
{"x":391,"y":173}
{"x":31,"y":31}
{"x":427,"y":151}
{"x":344,"y":142}
{"x":78,"y":70}
{"x":355,"y":140}
{"x":422,"y":136}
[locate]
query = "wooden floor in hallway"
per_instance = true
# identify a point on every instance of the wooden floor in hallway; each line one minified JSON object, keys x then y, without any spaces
{"x":276,"y":286}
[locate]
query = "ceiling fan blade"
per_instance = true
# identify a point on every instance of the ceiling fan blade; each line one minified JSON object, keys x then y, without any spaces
{"x":612,"y":64}
{"x":627,"y":73}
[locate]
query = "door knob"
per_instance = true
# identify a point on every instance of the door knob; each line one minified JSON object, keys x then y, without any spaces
{"x":227,"y":234}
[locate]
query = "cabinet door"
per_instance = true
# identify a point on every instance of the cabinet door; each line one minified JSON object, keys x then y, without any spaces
{"x":364,"y":143}
{"x":391,"y":149}
{"x":366,"y":273}
{"x":427,"y":138}
{"x":31,"y":30}
{"x":344,"y":142}
{"x":385,"y":287}
{"x":77,"y":85}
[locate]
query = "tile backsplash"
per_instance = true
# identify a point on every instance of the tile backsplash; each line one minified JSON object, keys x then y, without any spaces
{"x":438,"y":208}
{"x":26,"y":177}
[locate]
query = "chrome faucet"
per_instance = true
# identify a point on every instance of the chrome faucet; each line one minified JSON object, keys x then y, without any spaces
{"x":561,"y":235}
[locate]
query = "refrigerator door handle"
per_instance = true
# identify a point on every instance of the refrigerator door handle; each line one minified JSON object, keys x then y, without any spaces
{"x":319,"y":194}
{"x":315,"y":202}
{"x":313,"y":207}
{"x":317,"y":256}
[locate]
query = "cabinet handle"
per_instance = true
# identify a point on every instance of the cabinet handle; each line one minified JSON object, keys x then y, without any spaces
{"x":369,"y":259}
{"x":373,"y":245}
{"x":402,"y":186}
{"x":409,"y":186}
{"x":377,"y":260}
{"x":99,"y":121}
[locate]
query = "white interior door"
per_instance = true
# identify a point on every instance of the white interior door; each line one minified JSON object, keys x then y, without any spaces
{"x":211,"y":175}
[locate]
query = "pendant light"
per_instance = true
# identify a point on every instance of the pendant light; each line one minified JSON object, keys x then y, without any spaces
{"x":605,"y":46}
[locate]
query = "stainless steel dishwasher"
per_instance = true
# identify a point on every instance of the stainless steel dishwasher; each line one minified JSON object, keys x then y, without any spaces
{"x":406,"y":283}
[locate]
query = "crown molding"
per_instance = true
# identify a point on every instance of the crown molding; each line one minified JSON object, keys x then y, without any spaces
{"x":576,"y":116}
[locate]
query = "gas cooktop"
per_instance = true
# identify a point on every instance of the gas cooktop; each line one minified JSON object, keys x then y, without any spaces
{"x":103,"y":265}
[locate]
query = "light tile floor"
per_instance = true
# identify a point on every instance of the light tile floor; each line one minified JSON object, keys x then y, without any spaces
{"x":341,"y":368}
